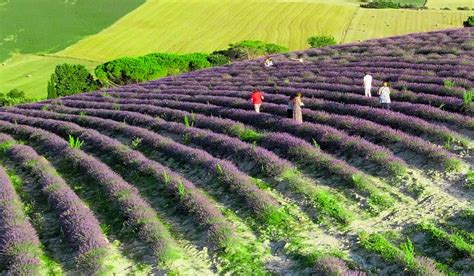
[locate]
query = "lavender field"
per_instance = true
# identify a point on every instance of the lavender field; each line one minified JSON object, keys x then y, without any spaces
{"x":181,"y":176}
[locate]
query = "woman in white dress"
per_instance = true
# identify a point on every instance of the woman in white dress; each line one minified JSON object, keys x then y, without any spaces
{"x":384,"y":93}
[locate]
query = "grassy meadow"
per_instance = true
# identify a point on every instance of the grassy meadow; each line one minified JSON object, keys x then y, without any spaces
{"x":31,"y":73}
{"x":196,"y":26}
{"x":47,"y":26}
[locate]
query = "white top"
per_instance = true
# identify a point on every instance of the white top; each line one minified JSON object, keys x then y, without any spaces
{"x":368,"y":81}
{"x":268,"y":63}
{"x":384,"y":93}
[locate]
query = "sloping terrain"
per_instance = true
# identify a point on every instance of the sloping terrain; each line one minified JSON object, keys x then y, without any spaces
{"x":180,"y":26}
{"x":181,"y":175}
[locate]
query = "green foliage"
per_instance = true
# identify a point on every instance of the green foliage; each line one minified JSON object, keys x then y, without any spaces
{"x":250,"y":135}
{"x":470,"y":179}
{"x":469,"y":22}
{"x":129,"y":70}
{"x":15,"y":93}
{"x":75,"y":143}
{"x":377,"y":200}
{"x":468,"y":96}
{"x":452,"y":165}
{"x":394,"y":4}
{"x":250,"y":49}
{"x":449,"y":83}
{"x":315,"y":143}
{"x":69,"y":79}
{"x":321,"y":41}
{"x":13,"y":97}
{"x":454,"y":241}
{"x":181,"y":191}
{"x":409,"y":250}
{"x":136,"y":142}
{"x":187,"y":123}
{"x":379,"y":244}
{"x":218,"y":59}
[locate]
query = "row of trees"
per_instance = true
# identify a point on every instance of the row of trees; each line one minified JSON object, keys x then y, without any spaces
{"x":69,"y":79}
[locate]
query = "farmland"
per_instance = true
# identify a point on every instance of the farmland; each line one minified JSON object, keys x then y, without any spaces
{"x":207,"y":25}
{"x":181,"y":175}
{"x":30,"y":27}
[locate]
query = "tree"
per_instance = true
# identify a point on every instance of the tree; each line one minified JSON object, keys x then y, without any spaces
{"x":133,"y":70}
{"x":321,"y":41}
{"x":69,"y":79}
{"x":14,"y":97}
{"x":250,"y":49}
{"x":16,"y":94}
{"x":218,"y":59}
{"x":469,"y":22}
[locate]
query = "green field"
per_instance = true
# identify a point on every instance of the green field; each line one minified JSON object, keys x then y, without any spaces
{"x":31,"y":73}
{"x":452,"y":4}
{"x":51,"y":25}
{"x":205,"y":25}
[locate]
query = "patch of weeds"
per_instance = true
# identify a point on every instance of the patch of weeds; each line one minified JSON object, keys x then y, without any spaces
{"x":469,"y":179}
{"x":75,"y":142}
{"x":449,"y":83}
{"x":136,"y":142}
{"x":453,"y":165}
{"x":454,"y":241}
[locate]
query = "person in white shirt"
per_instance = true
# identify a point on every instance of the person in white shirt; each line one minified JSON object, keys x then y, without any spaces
{"x":368,"y":85}
{"x":268,"y":62}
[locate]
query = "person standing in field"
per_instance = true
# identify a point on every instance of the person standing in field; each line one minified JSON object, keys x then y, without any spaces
{"x":384,"y":93}
{"x":257,"y":99}
{"x":368,"y":85}
{"x":299,"y":59}
{"x":268,"y":62}
{"x":297,"y":113}
{"x":289,"y":109}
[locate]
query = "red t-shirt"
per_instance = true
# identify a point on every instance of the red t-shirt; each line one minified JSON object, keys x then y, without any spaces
{"x":257,"y":97}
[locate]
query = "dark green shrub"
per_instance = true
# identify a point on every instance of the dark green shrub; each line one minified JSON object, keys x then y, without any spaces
{"x":133,"y":70}
{"x":16,"y":93}
{"x":381,"y":4}
{"x":129,"y":70}
{"x":250,"y":49}
{"x":14,"y":97}
{"x":393,"y":4}
{"x":321,"y":41}
{"x":218,"y":59}
{"x":69,"y":79}
{"x":469,"y":22}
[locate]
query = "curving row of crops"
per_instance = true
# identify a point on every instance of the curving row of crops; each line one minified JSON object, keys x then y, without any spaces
{"x":180,"y":175}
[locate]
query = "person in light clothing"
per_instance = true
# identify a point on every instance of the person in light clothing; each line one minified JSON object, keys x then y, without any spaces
{"x":297,"y":113}
{"x":257,"y":99}
{"x":268,"y":62}
{"x":368,"y":85}
{"x":384,"y":93}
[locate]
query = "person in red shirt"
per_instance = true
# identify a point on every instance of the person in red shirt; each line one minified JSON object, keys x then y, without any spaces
{"x":257,"y":99}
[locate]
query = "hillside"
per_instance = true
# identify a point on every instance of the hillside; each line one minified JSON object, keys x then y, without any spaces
{"x":47,"y":26}
{"x":206,"y":25}
{"x":180,"y":175}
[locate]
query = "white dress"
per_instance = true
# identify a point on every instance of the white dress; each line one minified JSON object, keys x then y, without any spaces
{"x":384,"y":95}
